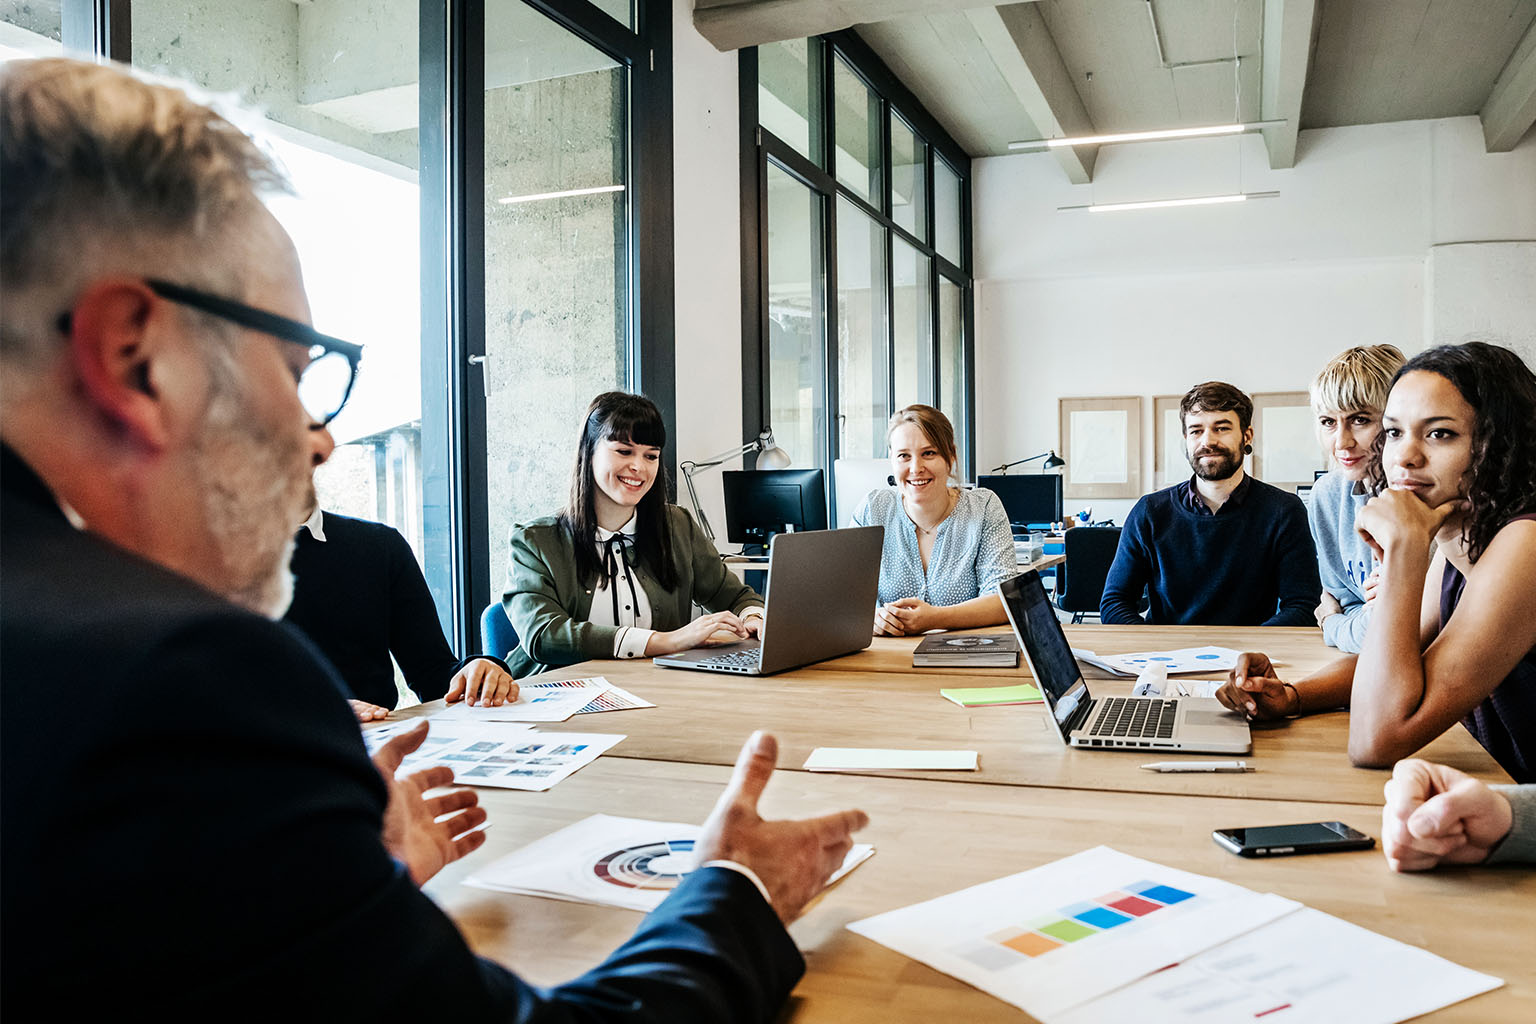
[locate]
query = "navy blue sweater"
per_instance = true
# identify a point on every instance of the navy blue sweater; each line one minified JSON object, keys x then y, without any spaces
{"x":1251,"y":564}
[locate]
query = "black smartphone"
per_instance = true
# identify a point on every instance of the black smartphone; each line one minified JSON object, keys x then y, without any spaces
{"x":1280,"y":840}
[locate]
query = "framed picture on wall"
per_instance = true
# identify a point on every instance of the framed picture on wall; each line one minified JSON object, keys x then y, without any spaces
{"x":1285,"y":449}
{"x":1169,"y":461}
{"x":1101,"y":441}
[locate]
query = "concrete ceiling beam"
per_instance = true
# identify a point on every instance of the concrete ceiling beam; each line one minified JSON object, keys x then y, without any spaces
{"x":1289,"y":26}
{"x":1020,"y":44}
{"x":735,"y":24}
{"x":1510,"y":109}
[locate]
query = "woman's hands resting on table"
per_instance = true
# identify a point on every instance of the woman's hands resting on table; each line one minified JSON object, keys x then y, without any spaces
{"x":716,"y":627}
{"x":1252,"y":689}
{"x":906,"y":617}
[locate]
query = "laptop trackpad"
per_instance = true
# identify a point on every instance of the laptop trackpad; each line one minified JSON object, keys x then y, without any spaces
{"x":1194,"y":718}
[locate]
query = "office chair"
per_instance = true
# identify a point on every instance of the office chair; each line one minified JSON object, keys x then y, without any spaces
{"x":1080,"y":583}
{"x":497,"y":637}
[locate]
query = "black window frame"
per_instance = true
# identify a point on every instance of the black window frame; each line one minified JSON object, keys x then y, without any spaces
{"x":455,"y":515}
{"x":759,"y":145}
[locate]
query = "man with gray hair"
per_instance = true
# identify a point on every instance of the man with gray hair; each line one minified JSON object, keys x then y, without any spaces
{"x":191,"y":823}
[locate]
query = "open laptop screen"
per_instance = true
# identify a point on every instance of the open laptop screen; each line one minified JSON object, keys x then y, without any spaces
{"x":1050,"y":656}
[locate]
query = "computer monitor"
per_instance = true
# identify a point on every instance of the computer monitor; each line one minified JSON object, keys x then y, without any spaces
{"x":853,"y":479}
{"x":1028,"y":498}
{"x":761,"y":503}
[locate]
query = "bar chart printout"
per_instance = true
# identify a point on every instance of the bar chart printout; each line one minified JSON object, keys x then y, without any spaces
{"x":1071,"y":944}
{"x":1060,"y":935}
{"x":1306,"y":967}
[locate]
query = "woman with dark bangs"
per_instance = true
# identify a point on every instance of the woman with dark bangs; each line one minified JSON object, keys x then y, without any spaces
{"x":1453,"y":634}
{"x":616,"y":573}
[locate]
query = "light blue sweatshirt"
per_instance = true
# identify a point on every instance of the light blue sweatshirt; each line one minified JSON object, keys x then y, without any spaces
{"x":1343,"y":558}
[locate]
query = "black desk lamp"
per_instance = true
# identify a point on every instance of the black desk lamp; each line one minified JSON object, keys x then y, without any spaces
{"x":1052,"y":460}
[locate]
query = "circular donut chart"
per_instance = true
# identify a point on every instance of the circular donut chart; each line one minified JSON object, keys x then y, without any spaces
{"x":970,"y":641}
{"x":658,"y":865}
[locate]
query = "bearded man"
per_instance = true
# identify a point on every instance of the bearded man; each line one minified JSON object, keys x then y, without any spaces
{"x":1221,"y":548}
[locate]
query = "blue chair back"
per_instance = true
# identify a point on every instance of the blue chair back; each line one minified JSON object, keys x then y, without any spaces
{"x":497,"y":637}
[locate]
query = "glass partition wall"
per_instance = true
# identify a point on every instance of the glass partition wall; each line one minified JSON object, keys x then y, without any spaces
{"x":856,"y":255}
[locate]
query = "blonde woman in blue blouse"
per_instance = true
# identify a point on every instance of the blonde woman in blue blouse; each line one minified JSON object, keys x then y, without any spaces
{"x":947,"y":549}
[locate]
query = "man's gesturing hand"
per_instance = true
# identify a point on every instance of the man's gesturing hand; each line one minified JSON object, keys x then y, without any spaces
{"x":794,"y":859}
{"x":413,"y":833}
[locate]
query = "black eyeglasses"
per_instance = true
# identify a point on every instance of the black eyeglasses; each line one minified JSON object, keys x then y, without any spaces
{"x":326,"y":381}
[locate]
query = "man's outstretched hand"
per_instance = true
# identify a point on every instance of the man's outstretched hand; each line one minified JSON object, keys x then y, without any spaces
{"x":793,"y":859}
{"x":425,"y":833}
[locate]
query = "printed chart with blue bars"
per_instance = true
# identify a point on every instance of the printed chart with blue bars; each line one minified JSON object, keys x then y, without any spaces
{"x":1079,"y":922}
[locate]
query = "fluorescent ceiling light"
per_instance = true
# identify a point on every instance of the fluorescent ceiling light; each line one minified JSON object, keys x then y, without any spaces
{"x":562,"y":195}
{"x":1152,"y":204}
{"x":1147,"y":136}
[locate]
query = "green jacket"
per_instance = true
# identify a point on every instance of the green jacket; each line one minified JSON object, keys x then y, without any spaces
{"x":549,"y":606}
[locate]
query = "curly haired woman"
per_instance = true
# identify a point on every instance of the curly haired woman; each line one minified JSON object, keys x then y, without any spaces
{"x":1453,"y":636}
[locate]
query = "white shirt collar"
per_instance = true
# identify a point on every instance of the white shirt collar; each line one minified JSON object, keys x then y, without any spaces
{"x":628,"y":530}
{"x":315,"y":524}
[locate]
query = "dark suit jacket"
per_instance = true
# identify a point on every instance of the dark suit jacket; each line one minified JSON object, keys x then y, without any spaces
{"x":191,"y":828}
{"x":360,"y":596}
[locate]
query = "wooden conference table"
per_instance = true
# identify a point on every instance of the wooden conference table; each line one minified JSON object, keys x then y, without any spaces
{"x":1031,"y":802}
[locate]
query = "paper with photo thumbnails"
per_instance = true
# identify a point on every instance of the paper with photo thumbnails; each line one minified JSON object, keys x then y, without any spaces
{"x":505,"y":755}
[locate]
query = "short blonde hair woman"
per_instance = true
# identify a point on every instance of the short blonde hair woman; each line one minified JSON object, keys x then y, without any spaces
{"x":1347,"y":398}
{"x":946,"y":548}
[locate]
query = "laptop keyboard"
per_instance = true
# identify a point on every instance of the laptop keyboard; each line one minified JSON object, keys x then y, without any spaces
{"x":736,"y":661}
{"x":1135,"y":717}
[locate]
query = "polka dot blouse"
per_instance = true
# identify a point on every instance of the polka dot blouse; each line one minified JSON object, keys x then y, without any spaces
{"x":972,"y":551}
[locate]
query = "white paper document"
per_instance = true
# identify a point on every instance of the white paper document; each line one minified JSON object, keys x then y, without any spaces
{"x":610,"y":861}
{"x":611,"y":698}
{"x":1186,"y":659}
{"x":1102,"y":937}
{"x":862,"y":759}
{"x":507,"y":755}
{"x":1307,"y":966}
{"x":533,"y":704}
{"x":553,"y":701}
{"x":1061,"y":935}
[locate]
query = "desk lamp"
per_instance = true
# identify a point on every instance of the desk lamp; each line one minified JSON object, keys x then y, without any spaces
{"x":769,"y":456}
{"x":1052,"y":460}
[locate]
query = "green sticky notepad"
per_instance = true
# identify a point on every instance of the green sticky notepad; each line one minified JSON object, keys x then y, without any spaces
{"x":987,"y":696}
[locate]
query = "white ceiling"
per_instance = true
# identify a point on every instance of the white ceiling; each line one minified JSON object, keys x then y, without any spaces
{"x":995,"y":75}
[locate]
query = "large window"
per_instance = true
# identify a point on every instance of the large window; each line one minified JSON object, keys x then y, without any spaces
{"x":860,"y":280}
{"x":34,"y":28}
{"x":484,"y":202}
{"x":334,"y":92}
{"x":556,"y":257}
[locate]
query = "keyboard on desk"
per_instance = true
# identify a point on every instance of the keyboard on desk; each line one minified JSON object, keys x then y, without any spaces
{"x":735,"y":661}
{"x":1140,"y":717}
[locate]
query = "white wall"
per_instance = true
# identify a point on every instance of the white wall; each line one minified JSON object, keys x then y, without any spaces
{"x":707,"y":201}
{"x":1260,"y":294}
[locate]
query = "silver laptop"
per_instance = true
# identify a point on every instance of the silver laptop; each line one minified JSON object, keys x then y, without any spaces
{"x":1193,"y":724}
{"x":822,"y":586}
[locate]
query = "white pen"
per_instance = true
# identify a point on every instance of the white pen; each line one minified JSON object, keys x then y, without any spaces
{"x":1198,"y":766}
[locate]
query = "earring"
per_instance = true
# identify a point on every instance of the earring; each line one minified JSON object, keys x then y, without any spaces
{"x":1247,"y":449}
